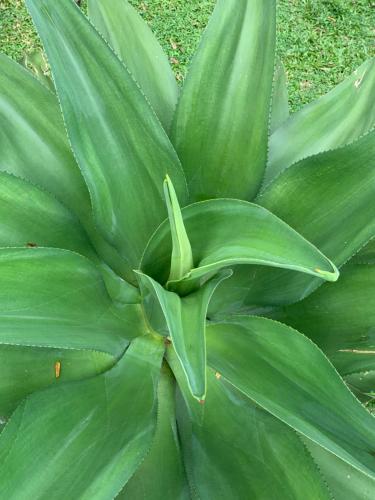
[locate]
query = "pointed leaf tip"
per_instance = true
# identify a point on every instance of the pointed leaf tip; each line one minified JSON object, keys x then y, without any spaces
{"x":182,"y":257}
{"x":327,"y":275}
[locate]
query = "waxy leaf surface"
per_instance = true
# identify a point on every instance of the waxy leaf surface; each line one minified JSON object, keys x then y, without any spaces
{"x":220,"y":129}
{"x":84,"y":439}
{"x":120,"y":145}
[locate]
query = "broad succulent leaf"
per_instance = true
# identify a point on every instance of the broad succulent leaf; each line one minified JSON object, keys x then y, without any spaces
{"x":338,"y":118}
{"x":226,"y":232}
{"x":136,"y":45}
{"x":340,"y":321}
{"x":30,"y":217}
{"x":93,"y":418}
{"x":32,"y":138}
{"x":169,"y":481}
{"x":147,"y":250}
{"x":328,"y":198}
{"x":120,"y":146}
{"x":232,"y":68}
{"x":211,"y":447}
{"x":286,"y":374}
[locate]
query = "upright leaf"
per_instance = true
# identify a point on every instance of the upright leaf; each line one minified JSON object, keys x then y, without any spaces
{"x":233,"y":449}
{"x":85,"y":439}
{"x":280,"y":105}
{"x":224,"y":233}
{"x":33,"y":142}
{"x":221,"y":125}
{"x":121,"y":147}
{"x":185,"y":319}
{"x":287,"y":375}
{"x":136,"y":45}
{"x":182,"y":257}
{"x":336,"y":119}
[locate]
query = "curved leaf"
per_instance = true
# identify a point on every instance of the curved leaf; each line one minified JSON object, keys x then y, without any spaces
{"x":84,"y":439}
{"x":185,"y":319}
{"x":233,"y":449}
{"x":24,"y":370}
{"x":341,"y":319}
{"x":120,"y":146}
{"x":336,"y":119}
{"x":225,"y":232}
{"x":136,"y":45}
{"x":161,"y":476}
{"x":328,"y":199}
{"x":55,"y":298}
{"x":280,"y":104}
{"x":32,"y":217}
{"x":33,"y":142}
{"x":287,"y":375}
{"x":221,"y":125}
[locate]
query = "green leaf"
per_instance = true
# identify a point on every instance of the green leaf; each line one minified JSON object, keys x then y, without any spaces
{"x":33,"y":142}
{"x":136,"y":45}
{"x":287,"y":375}
{"x":86,"y":439}
{"x":32,"y":217}
{"x":336,"y":119}
{"x":36,"y":62}
{"x":341,"y":318}
{"x":344,"y":482}
{"x":225,"y":232}
{"x":221,"y":125}
{"x":185,"y":318}
{"x":182,"y":257}
{"x":162,"y":475}
{"x":328,"y":199}
{"x":280,"y":104}
{"x":56,"y":298}
{"x":233,"y":449}
{"x":366,"y":255}
{"x":120,"y":146}
{"x":24,"y":370}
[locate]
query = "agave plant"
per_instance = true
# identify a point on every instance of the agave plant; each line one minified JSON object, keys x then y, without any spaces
{"x":170,"y":323}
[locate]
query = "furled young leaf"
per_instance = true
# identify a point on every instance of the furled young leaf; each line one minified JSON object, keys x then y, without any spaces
{"x":85,"y":439}
{"x":221,"y":126}
{"x":280,"y":105}
{"x":56,"y":298}
{"x":32,"y":138}
{"x":121,"y":147}
{"x":286,"y":374}
{"x":329,"y":199}
{"x":32,"y":217}
{"x":233,"y":449}
{"x":340,"y":319}
{"x":25,"y":369}
{"x":161,"y":475}
{"x":336,"y":119}
{"x":343,"y":481}
{"x":182,"y":257}
{"x":136,"y":45}
{"x":185,"y":318}
{"x":226,"y":232}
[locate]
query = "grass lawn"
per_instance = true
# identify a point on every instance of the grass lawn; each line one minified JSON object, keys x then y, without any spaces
{"x":319,"y":41}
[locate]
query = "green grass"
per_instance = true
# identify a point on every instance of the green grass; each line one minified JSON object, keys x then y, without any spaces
{"x":319,"y":41}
